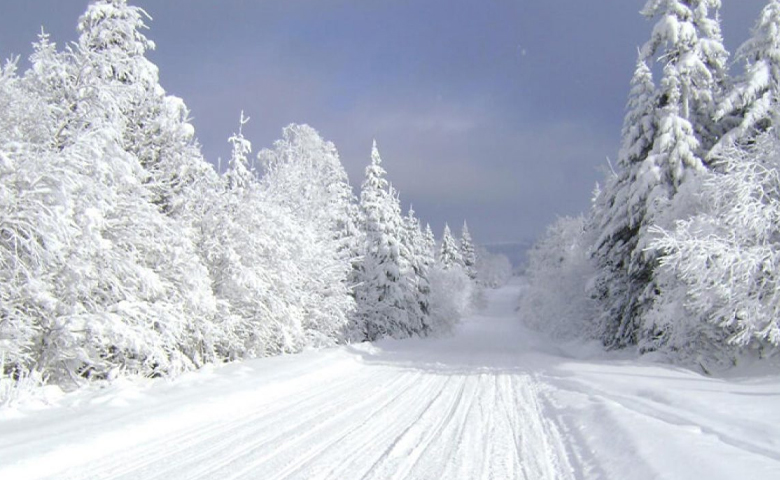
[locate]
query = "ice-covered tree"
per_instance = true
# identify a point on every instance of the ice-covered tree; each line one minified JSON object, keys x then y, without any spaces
{"x":468,"y":252}
{"x":449,"y":251}
{"x":754,"y":99}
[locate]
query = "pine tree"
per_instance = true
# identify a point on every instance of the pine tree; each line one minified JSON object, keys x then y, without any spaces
{"x":449,"y":252}
{"x":753,"y":102}
{"x":468,"y":253}
{"x":619,"y":208}
{"x":430,"y":243}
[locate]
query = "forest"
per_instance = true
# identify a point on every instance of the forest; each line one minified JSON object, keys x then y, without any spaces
{"x":678,"y":256}
{"x":124,"y":252}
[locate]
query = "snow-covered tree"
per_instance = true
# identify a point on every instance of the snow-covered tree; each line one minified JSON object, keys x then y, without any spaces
{"x":694,"y":60}
{"x":382,"y":294}
{"x":620,"y":208}
{"x":720,"y":268}
{"x":449,"y":251}
{"x":253,"y":259}
{"x":468,"y":253}
{"x":117,"y":285}
{"x":667,"y":131}
{"x":421,"y":260}
{"x":557,"y":300}
{"x":430,"y":241}
{"x":34,"y":194}
{"x":754,"y":100}
{"x":304,"y":178}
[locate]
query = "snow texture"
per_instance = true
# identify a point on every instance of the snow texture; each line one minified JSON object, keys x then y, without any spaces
{"x":493,"y":401}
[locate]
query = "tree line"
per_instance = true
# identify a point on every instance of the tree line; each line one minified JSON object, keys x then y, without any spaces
{"x":122,"y":251}
{"x":679,"y":254}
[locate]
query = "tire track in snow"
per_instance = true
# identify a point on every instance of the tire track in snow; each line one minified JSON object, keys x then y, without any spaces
{"x":207,"y":441}
{"x":262,"y":448}
{"x":202,"y":438}
{"x":410,"y":444}
{"x":291,"y":454}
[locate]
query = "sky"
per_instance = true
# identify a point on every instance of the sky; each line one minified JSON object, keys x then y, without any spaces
{"x":503,"y":113}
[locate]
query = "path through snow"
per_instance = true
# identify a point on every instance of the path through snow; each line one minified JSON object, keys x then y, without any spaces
{"x":493,"y":401}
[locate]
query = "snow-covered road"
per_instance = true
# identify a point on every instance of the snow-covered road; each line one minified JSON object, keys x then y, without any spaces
{"x":493,"y":401}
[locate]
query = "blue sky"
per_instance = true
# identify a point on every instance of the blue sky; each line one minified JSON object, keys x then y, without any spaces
{"x":500,"y":112}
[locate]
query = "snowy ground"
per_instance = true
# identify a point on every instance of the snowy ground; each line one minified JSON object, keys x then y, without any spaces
{"x":493,"y":401}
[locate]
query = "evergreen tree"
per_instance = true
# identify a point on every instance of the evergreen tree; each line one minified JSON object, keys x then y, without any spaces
{"x":755,"y":99}
{"x":449,"y":253}
{"x":429,"y":243}
{"x":468,"y":253}
{"x":381,"y":294}
{"x":420,"y":261}
{"x":125,"y":289}
{"x":620,"y":208}
{"x":666,"y":132}
{"x":253,"y":258}
{"x":694,"y":59}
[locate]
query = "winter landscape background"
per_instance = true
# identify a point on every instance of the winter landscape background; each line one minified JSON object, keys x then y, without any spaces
{"x":144,"y":277}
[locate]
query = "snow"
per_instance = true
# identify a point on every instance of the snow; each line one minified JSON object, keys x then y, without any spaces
{"x":493,"y":400}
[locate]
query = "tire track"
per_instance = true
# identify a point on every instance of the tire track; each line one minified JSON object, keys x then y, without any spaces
{"x":364,"y":409}
{"x":216,"y":439}
{"x":384,"y":466}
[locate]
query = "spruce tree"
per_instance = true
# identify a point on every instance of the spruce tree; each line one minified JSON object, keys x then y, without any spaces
{"x":752,"y":104}
{"x":420,"y":262}
{"x":689,"y":33}
{"x":667,"y":131}
{"x":381,"y":295}
{"x":468,"y":253}
{"x":449,"y":252}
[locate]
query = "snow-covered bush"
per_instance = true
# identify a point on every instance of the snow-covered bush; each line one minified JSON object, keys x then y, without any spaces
{"x":21,"y":387}
{"x":451,"y":297}
{"x":556,"y":300}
